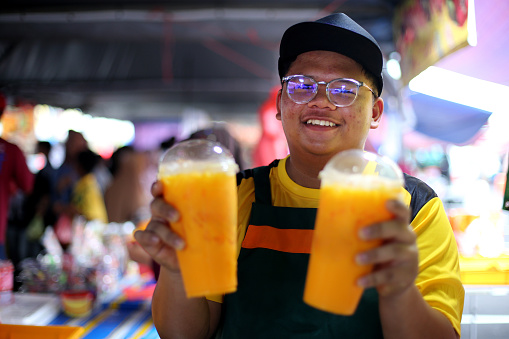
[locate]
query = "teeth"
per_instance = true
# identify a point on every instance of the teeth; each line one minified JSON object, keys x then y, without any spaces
{"x":320,"y":123}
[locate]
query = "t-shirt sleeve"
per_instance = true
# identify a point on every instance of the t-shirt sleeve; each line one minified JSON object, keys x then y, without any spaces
{"x":439,"y":275}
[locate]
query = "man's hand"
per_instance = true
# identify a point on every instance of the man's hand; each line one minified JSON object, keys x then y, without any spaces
{"x":397,"y":259}
{"x":158,"y":239}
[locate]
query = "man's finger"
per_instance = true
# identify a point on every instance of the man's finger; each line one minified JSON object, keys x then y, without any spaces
{"x":156,"y":189}
{"x":387,"y":253}
{"x":160,"y":209}
{"x":392,"y":229}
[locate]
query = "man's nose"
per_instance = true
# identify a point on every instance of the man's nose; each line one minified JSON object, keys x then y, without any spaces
{"x":321,"y":99}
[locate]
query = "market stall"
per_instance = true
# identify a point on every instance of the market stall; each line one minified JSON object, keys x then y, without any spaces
{"x":126,"y":316}
{"x":90,"y":290}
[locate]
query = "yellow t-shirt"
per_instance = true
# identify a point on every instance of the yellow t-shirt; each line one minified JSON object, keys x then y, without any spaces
{"x":439,"y":277}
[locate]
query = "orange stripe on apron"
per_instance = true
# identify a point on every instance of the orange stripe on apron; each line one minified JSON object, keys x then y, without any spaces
{"x":283,"y":240}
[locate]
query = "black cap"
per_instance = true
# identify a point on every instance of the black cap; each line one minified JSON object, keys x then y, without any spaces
{"x":335,"y":33}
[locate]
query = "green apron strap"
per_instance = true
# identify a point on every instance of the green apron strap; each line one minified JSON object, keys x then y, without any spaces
{"x":261,"y":177}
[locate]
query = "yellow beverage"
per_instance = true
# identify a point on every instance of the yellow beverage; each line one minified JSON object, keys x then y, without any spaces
{"x":207,"y":203}
{"x":331,"y":283}
{"x":348,"y":202}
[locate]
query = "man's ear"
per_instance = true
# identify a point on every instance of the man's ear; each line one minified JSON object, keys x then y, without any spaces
{"x":377,"y":111}
{"x":278,"y":104}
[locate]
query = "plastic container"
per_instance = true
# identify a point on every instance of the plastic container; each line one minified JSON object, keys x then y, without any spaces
{"x":354,"y":189}
{"x":40,"y":332}
{"x":6,"y":282}
{"x":77,"y":303}
{"x":199,"y":180}
{"x":31,"y":309}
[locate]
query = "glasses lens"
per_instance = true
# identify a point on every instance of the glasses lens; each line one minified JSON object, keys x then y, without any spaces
{"x":301,"y":89}
{"x":343,"y":92}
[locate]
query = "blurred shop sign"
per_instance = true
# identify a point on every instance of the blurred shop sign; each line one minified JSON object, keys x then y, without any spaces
{"x":17,"y":126}
{"x":425,"y":31}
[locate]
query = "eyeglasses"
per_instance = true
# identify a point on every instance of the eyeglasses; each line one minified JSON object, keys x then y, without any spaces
{"x":341,"y":92}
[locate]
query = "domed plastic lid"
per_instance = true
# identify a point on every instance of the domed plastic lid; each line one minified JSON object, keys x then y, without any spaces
{"x":197,"y":155}
{"x":361,"y":167}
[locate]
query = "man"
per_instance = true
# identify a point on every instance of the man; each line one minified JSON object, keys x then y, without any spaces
{"x":416,"y":274}
{"x":14,"y":175}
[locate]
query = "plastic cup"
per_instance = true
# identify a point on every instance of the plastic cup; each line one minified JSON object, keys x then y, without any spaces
{"x":77,"y":303}
{"x":199,"y":180}
{"x":355,"y":186}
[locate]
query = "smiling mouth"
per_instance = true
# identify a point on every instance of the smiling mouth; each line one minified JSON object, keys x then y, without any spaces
{"x":316,"y":122}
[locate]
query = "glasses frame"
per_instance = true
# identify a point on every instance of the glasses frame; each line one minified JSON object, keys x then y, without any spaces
{"x":359,"y":84}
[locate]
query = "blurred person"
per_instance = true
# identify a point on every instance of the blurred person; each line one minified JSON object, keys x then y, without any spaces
{"x":16,"y":244}
{"x":44,"y":183}
{"x":124,"y":197}
{"x":14,"y":176}
{"x":102,"y":174}
{"x":66,"y":175}
{"x":37,"y":212}
{"x":135,"y":251}
{"x":331,"y":82}
{"x":87,"y":199}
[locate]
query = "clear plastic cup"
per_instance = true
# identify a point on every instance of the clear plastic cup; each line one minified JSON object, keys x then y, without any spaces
{"x":355,"y":185}
{"x":199,"y":180}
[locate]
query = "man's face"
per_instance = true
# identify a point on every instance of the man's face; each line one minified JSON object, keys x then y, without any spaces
{"x":350,"y":125}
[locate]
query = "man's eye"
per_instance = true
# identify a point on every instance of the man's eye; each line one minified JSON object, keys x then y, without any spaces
{"x":303,"y":86}
{"x":342,"y":91}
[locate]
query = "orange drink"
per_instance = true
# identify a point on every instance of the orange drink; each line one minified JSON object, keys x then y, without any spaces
{"x":348,"y":202}
{"x":204,"y":191}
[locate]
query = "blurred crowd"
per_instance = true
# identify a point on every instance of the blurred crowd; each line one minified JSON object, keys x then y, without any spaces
{"x":88,"y":186}
{"x":85,"y":185}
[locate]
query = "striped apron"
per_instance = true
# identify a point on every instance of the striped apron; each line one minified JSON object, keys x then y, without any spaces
{"x":272,"y":268}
